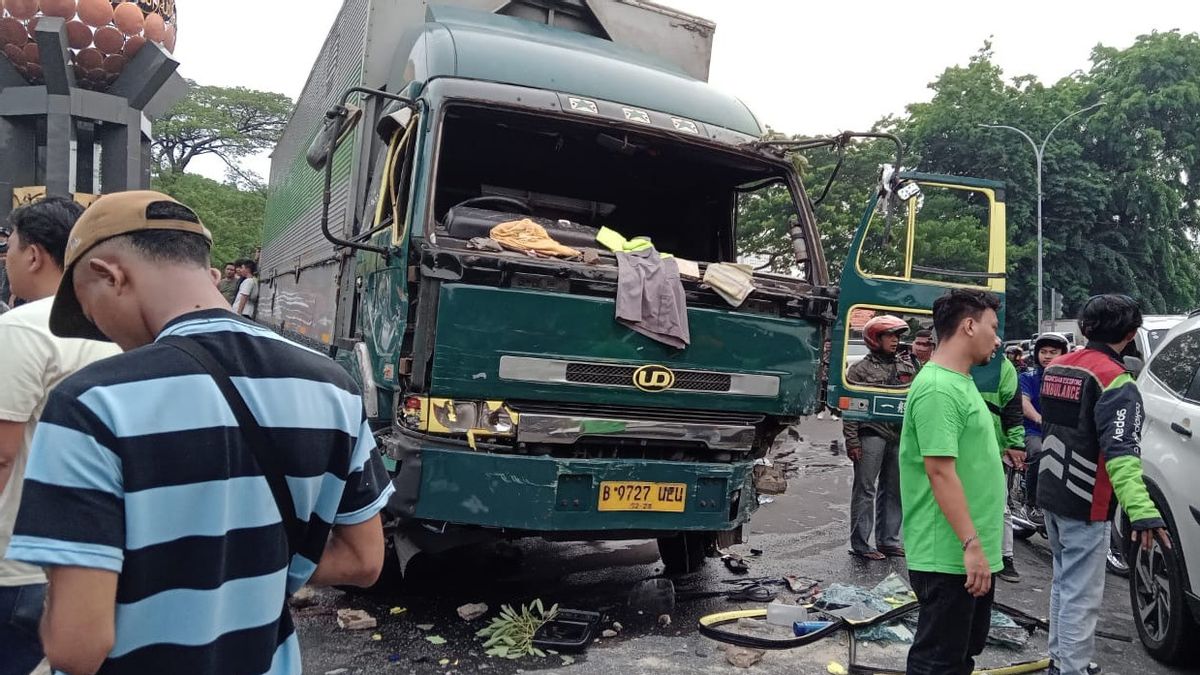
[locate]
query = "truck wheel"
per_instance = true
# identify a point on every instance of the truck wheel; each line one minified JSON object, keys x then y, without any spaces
{"x":683,"y":553}
{"x":1160,"y":611}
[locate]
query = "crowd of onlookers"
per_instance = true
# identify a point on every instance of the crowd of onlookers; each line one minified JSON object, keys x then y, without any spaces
{"x":170,"y":470}
{"x":933,"y":486}
{"x":239,"y":286}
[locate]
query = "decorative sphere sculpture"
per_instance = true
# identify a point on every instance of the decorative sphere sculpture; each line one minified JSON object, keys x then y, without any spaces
{"x":102,"y":35}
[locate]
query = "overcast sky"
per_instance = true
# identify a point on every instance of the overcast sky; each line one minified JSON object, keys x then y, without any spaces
{"x":802,"y":67}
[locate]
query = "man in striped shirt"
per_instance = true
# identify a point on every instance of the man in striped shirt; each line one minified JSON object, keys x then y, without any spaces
{"x":165,"y":548}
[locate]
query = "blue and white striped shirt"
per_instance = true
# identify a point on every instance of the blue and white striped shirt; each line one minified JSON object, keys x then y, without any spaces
{"x":138,"y":466}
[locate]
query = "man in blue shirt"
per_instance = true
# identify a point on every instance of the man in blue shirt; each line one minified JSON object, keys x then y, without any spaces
{"x":163,"y":539}
{"x":1046,"y":348}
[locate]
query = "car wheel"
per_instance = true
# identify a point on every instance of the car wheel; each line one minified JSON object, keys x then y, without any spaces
{"x":1160,"y":612}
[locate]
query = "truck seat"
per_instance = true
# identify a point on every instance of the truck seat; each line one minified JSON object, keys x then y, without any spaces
{"x":467,"y":222}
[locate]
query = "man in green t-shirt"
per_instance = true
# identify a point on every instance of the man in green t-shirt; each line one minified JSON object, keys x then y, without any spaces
{"x":948,"y":450}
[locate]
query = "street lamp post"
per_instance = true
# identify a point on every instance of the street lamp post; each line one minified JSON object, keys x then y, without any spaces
{"x":1038,"y":153}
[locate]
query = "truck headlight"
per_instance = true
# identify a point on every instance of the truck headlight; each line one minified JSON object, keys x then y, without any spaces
{"x":455,"y":416}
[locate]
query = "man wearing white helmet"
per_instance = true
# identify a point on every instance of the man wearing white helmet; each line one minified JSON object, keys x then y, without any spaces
{"x":1046,"y":348}
{"x":874,"y":446}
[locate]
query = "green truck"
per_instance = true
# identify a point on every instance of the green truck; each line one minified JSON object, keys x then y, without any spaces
{"x":507,"y":400}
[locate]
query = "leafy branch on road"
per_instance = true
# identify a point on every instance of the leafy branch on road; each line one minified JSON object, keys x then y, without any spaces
{"x":510,"y":635}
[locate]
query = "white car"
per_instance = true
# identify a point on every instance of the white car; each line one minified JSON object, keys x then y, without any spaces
{"x":1154,"y":329}
{"x":1164,"y":585}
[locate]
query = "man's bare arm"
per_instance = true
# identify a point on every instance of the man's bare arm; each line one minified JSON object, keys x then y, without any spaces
{"x":79,"y":624}
{"x":948,"y":491}
{"x":12,"y":437}
{"x":353,"y":555}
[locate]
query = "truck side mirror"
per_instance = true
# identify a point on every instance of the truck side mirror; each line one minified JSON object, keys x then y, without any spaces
{"x":339,"y":122}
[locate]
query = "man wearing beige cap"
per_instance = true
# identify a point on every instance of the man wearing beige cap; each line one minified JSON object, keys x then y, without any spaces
{"x":179,"y":492}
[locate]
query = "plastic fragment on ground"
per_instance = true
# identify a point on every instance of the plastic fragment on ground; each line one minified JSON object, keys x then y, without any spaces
{"x":355,"y":619}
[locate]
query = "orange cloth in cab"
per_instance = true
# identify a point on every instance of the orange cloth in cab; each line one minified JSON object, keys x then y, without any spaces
{"x":526,"y":235}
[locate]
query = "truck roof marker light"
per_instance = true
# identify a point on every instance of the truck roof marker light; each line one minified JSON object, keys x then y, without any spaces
{"x":635,"y":115}
{"x":583,"y":105}
{"x":687,"y":126}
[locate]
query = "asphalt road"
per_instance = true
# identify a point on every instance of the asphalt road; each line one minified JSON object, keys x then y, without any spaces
{"x":803,"y":532}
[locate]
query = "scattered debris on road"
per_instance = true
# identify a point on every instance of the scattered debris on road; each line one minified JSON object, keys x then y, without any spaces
{"x":435,"y":639}
{"x":734,"y":562}
{"x":511,"y":634}
{"x":472,"y":611}
{"x":570,"y":630}
{"x":355,"y":619}
{"x":305,"y":597}
{"x":652,"y":596}
{"x":742,"y":657}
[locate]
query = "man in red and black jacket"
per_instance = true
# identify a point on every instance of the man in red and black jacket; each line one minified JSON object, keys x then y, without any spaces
{"x":1091,"y":424}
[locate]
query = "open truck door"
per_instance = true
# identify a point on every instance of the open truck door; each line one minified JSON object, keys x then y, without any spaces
{"x":920,"y":237}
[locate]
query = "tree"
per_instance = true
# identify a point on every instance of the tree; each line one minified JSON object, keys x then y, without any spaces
{"x":1121,"y":206}
{"x":230,"y":123}
{"x":765,"y":215}
{"x":233,"y":216}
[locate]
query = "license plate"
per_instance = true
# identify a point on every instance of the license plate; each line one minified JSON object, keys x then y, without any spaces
{"x":624,"y":495}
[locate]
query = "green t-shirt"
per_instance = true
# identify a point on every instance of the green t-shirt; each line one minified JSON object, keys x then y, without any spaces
{"x":945,"y":416}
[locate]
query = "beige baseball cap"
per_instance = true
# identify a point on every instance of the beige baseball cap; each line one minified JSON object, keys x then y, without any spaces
{"x":112,"y":216}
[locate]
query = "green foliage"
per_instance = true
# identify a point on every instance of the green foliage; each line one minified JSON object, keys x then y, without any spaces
{"x":231,"y":123}
{"x":1121,"y":184}
{"x":510,"y":635}
{"x":233,"y":216}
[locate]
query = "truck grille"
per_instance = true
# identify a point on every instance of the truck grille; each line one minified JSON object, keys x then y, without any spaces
{"x":622,"y":376}
{"x":538,"y":369}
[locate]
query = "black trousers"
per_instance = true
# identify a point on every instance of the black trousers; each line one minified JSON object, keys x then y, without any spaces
{"x":952,"y":627}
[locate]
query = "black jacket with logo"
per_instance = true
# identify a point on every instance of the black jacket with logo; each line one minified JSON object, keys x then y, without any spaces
{"x":1091,"y":425}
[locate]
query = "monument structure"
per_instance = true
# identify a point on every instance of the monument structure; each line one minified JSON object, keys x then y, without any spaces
{"x":80,"y":83}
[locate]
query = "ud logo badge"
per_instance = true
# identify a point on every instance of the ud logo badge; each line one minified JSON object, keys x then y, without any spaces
{"x":653,"y":378}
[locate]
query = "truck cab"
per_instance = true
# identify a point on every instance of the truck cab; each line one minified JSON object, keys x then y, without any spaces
{"x":506,"y":398}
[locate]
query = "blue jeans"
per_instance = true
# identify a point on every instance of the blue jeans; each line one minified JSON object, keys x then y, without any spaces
{"x":875,"y":496}
{"x":20,"y":612}
{"x":1079,"y":549}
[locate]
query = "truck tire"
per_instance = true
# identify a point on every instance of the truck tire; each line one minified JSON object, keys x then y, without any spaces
{"x":684,"y":553}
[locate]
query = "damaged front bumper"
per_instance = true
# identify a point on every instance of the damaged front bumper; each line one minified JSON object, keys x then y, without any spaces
{"x":438,"y":480}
